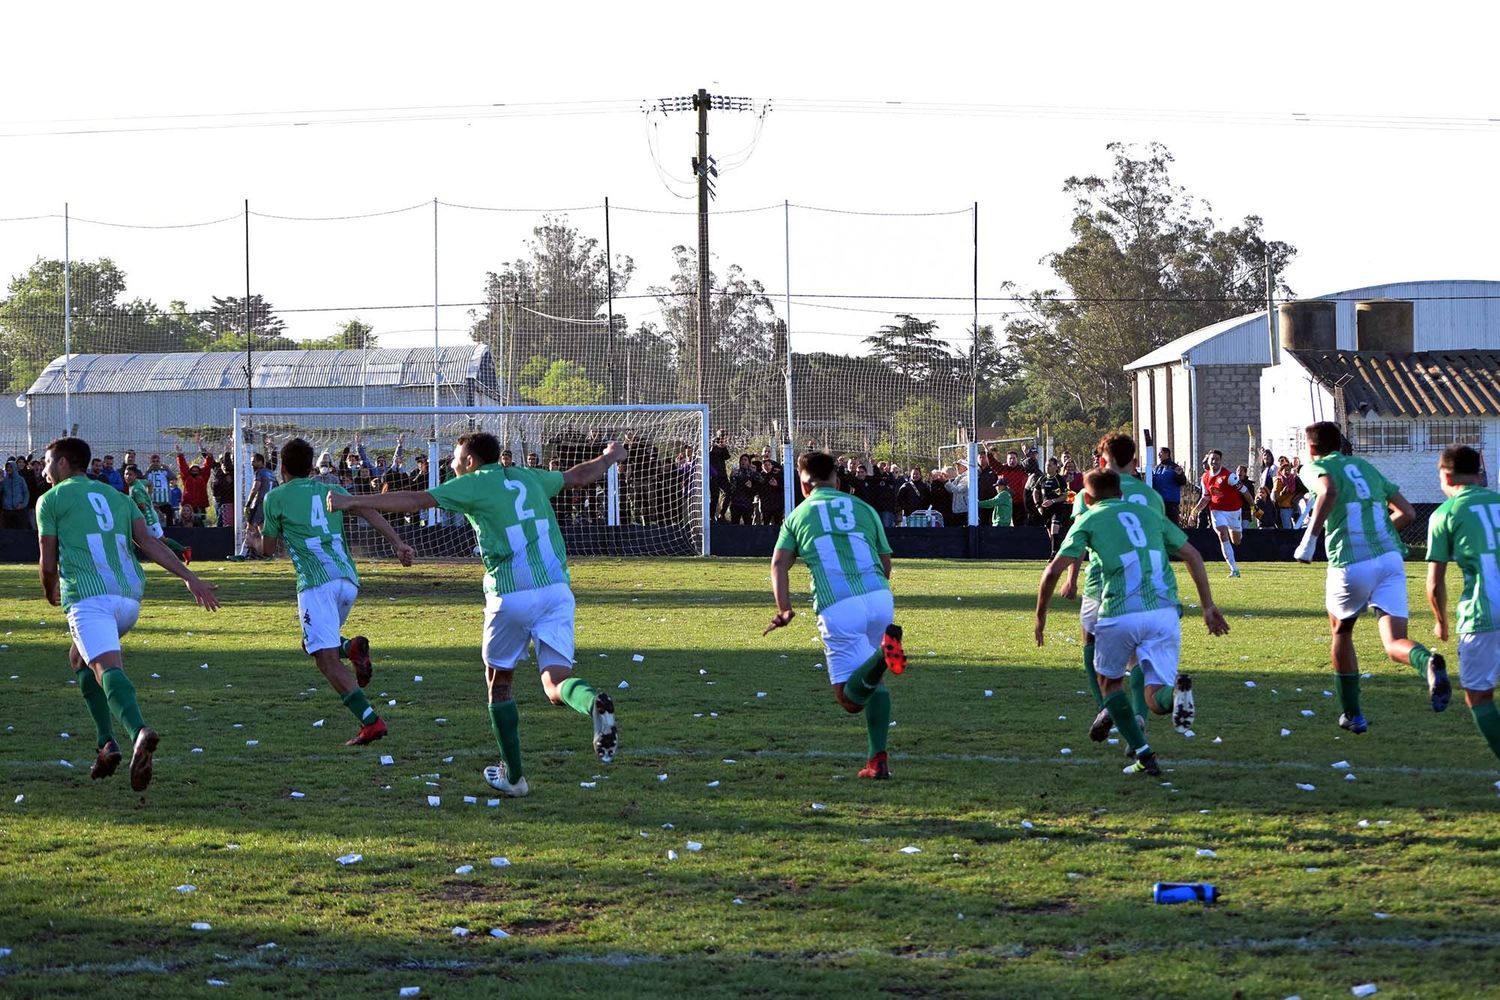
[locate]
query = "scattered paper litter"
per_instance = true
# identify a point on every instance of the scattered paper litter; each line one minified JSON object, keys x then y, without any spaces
{"x":500,"y":862}
{"x":1328,"y":694}
{"x":671,"y":855}
{"x":392,"y":703}
{"x":624,"y":685}
{"x":1314,"y":870}
{"x":411,"y":991}
{"x":252,"y":743}
{"x":434,"y":800}
{"x":1382,"y":916}
{"x":1307,"y":713}
{"x":737,"y":901}
{"x":441,"y":722}
{"x":1218,"y":739}
{"x":20,"y":799}
{"x":1249,"y":684}
{"x":1340,"y":765}
{"x":661,"y":777}
{"x":911,"y":850}
{"x":463,"y":869}
{"x":818,"y":807}
{"x":64,"y":736}
{"x":714,"y":783}
{"x":447,"y":760}
{"x":459,"y":932}
{"x":298,"y":795}
{"x":1027,"y":824}
{"x":1364,"y":990}
{"x":65,"y":763}
{"x":199,"y":925}
{"x":387,"y":760}
{"x":350,"y":859}
{"x":471,"y":800}
{"x":588,"y":784}
{"x":1207,"y":852}
{"x":638,"y":658}
{"x":1306,"y":787}
{"x":989,"y":693}
{"x":417,"y":679}
{"x":1362,"y":824}
{"x":217,"y":982}
{"x":760,"y":694}
{"x":268,"y":946}
{"x":1065,"y":751}
{"x":201,"y":666}
{"x":1188,"y":733}
{"x":694,"y":846}
{"x":187,"y":889}
{"x":318,"y":724}
{"x":1350,"y":777}
{"x":667,"y":826}
{"x":1286,"y":732}
{"x":492,"y":803}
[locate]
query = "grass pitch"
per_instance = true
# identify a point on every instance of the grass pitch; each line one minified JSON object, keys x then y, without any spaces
{"x":1034,"y":869}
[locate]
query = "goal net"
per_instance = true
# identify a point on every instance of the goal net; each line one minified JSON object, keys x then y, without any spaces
{"x":651,"y":504}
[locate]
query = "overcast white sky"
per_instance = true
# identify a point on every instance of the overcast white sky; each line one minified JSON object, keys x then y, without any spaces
{"x":1363,"y":205}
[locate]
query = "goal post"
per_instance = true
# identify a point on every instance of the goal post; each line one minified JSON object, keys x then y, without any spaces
{"x":654,"y":503}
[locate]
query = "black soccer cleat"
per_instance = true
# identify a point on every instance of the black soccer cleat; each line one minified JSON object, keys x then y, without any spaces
{"x":1438,"y":686}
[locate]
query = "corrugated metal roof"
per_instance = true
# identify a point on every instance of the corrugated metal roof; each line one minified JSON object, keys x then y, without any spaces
{"x":273,"y":370}
{"x":1256,"y":348}
{"x":1424,"y":384}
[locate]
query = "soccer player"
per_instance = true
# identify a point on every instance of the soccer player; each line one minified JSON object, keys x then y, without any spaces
{"x":141,"y":497}
{"x":88,"y":567}
{"x":1221,"y":492}
{"x":327,"y":582}
{"x":1138,"y":611}
{"x":1363,"y":513}
{"x":844,"y":545}
{"x":528,"y":594}
{"x":1464,"y":530}
{"x":1117,"y":454}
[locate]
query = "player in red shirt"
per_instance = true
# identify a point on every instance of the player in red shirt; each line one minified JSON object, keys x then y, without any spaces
{"x":1222,"y":493}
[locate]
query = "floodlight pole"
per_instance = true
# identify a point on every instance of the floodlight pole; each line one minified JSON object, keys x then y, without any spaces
{"x":67,"y":329}
{"x":249,"y":363}
{"x":788,"y":471}
{"x":702,"y":102}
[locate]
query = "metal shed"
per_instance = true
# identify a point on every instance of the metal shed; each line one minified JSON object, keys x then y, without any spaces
{"x":151,"y":401}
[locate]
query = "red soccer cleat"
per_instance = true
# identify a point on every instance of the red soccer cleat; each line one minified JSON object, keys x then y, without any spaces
{"x":368,"y":734}
{"x":876,"y":768}
{"x":895,"y":656}
{"x":359,"y":657}
{"x":187,"y":554}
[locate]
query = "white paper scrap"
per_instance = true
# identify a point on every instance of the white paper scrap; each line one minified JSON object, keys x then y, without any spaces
{"x":1207,"y":852}
{"x":1065,"y":751}
{"x":661,"y":777}
{"x":624,"y":685}
{"x":671,"y":855}
{"x":638,"y":658}
{"x":1286,"y":732}
{"x":1307,"y":713}
{"x":1218,"y":739}
{"x":1340,"y":765}
{"x":1364,"y":990}
{"x":20,"y":799}
{"x":217,"y":982}
{"x":760,"y":694}
{"x":350,"y":859}
{"x":411,"y":991}
{"x":318,"y":724}
{"x":470,"y":800}
{"x":459,"y":932}
{"x":463,"y":870}
{"x":387,"y":760}
{"x":713,"y":784}
{"x":252,"y":743}
{"x":500,"y":862}
{"x":417,"y":679}
{"x":298,"y":795}
{"x":1307,"y":788}
{"x":989,"y":693}
{"x":187,"y":889}
{"x":492,"y":803}
{"x":911,"y":850}
{"x":434,"y":800}
{"x":199,"y":925}
{"x":818,"y":807}
{"x":65,"y":763}
{"x":588,"y":784}
{"x":1249,"y":684}
{"x":1027,"y":824}
{"x":693,"y":845}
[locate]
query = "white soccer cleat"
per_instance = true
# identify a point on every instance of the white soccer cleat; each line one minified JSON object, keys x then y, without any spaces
{"x":606,"y":733}
{"x":1183,"y":707}
{"x":495,"y":776}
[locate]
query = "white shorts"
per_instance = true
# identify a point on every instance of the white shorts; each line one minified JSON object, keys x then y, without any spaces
{"x":543,"y":616}
{"x":1227,"y":519}
{"x":1378,"y":582}
{"x":1478,"y":660}
{"x":1088,"y":613}
{"x":852,"y":630}
{"x":323,"y":610}
{"x":1152,"y":637}
{"x":97,"y":623}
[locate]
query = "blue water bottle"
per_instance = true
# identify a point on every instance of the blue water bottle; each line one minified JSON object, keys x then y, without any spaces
{"x":1184,"y":892}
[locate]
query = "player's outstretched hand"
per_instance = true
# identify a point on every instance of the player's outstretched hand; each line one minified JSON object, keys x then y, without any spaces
{"x":339,"y":501}
{"x":1069,"y":590}
{"x":1440,"y":629}
{"x":1214,"y":619}
{"x":615,"y":451}
{"x":1040,"y":630}
{"x":405,"y":554}
{"x":779,"y":620}
{"x":203,"y":593}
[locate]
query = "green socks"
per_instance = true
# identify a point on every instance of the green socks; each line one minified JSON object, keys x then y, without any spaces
{"x":1349,"y":693}
{"x":1487,"y":718}
{"x":1138,"y":691}
{"x":576,"y":693}
{"x":121,"y":695}
{"x":177,"y":547}
{"x":1093,"y":678}
{"x":343,"y":648}
{"x":505,"y":723}
{"x":98,"y":704}
{"x":877,"y":718}
{"x":1163,"y":699}
{"x":1118,"y":707}
{"x":1420,"y":656}
{"x":356,"y":702}
{"x":864,"y":682}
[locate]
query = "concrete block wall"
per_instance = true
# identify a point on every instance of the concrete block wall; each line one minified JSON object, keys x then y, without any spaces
{"x":1227,"y":400}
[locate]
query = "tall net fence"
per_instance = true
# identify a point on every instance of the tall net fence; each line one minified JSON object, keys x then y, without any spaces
{"x":144,"y":336}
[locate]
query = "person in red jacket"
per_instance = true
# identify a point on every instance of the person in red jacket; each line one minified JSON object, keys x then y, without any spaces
{"x":195,"y":479}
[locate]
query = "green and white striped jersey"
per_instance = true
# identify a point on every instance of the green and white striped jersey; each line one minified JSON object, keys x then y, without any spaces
{"x":141,"y":497}
{"x":1359,"y":524}
{"x":1132,"y":490}
{"x":95,"y":552}
{"x":297,"y":513}
{"x":841,"y":539}
{"x":519,"y":540}
{"x":1466,"y":529}
{"x":1132,"y":544}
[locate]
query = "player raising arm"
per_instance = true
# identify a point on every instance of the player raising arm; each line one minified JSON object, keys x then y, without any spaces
{"x":1466,"y":529}
{"x":1139,"y":614}
{"x":1363,"y":513}
{"x":88,"y":566}
{"x":843,"y":543}
{"x":327,"y":582}
{"x":528,"y":593}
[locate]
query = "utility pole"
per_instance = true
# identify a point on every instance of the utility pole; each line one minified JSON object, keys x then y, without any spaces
{"x":707,"y":172}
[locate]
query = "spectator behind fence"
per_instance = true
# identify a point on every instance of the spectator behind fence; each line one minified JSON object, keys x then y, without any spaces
{"x":1168,"y":479}
{"x":744,"y":483}
{"x":37,"y":481}
{"x":939,"y":499}
{"x":111,"y":475}
{"x":958,"y":488}
{"x":772,"y":499}
{"x":1000,"y":508}
{"x":194,"y":488}
{"x":159,"y":485}
{"x":882,"y":497}
{"x":15,"y":497}
{"x":1284,"y":492}
{"x":1013,"y":475}
{"x":1266,"y":515}
{"x":221,"y":485}
{"x":913,"y":494}
{"x":718,"y":475}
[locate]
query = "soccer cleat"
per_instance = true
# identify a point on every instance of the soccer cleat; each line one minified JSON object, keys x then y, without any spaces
{"x":359,"y":656}
{"x":895,"y":656}
{"x":495,"y":776}
{"x":606,"y":733}
{"x":1355,"y":724}
{"x":107,"y":761}
{"x":187,"y":554}
{"x":1183,"y":708}
{"x":1234,"y":573}
{"x":1099,"y":730}
{"x":140,"y":758}
{"x":368,"y":734}
{"x":876,"y":768}
{"x":1438,"y":686}
{"x":1144,"y":764}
